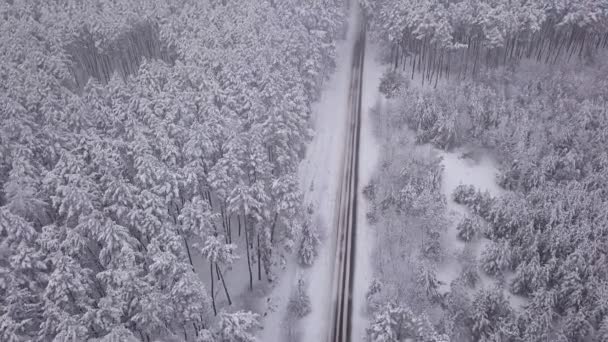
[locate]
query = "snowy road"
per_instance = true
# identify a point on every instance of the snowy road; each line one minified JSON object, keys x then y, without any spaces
{"x":346,"y":216}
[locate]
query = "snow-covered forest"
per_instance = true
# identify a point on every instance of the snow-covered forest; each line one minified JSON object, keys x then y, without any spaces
{"x":439,"y":38}
{"x":146,"y":149}
{"x":170,"y":170}
{"x":523,"y":86}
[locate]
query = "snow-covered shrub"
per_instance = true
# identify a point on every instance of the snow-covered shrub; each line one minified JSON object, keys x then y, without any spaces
{"x":392,"y":83}
{"x":371,"y":216}
{"x":431,"y":247}
{"x":507,"y":216}
{"x":369,"y":191}
{"x":435,"y":117}
{"x":537,"y":322}
{"x":426,"y":279}
{"x":479,"y":202}
{"x":496,"y":257}
{"x":491,"y":316}
{"x":372,"y":295}
{"x":464,"y":194}
{"x":457,"y":311}
{"x":299,"y":303}
{"x":237,"y":327}
{"x":309,"y":245}
{"x":575,"y":326}
{"x":468,"y":228}
{"x":469,"y":275}
{"x":396,"y":323}
{"x":529,"y":277}
{"x":205,"y":336}
{"x":603,"y":331}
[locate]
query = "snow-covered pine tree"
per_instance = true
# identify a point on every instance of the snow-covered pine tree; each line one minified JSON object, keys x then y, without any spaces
{"x":490,"y":311}
{"x":309,"y":245}
{"x":219,"y":254}
{"x":236,"y":327}
{"x":106,"y":179}
{"x":23,"y":275}
{"x":299,"y":303}
{"x":394,"y":323}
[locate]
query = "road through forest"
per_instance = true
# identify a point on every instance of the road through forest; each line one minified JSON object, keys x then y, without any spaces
{"x":346,"y":214}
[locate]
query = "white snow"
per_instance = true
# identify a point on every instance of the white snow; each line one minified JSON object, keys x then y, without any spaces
{"x":236,"y":277}
{"x":274,"y":324}
{"x":458,"y":170}
{"x":480,"y":173}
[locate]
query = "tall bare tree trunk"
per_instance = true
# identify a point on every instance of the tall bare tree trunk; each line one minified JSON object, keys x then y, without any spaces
{"x":229,"y":227}
{"x":188,"y":250}
{"x":212,"y":288}
{"x":476,"y":58}
{"x":395,"y":55}
{"x":272,"y":228}
{"x":259,"y":261}
{"x":413,"y":64}
{"x":223,"y":214}
{"x":247,"y":249}
{"x":219,"y":272}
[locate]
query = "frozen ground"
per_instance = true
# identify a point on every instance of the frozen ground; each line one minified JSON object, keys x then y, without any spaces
{"x":237,"y":277}
{"x":481,"y":173}
{"x":458,"y":170}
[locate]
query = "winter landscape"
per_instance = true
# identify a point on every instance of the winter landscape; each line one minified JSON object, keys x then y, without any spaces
{"x":304,"y":170}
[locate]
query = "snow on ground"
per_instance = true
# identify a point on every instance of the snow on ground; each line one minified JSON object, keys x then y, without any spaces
{"x":368,"y":158}
{"x":277,"y":301}
{"x":481,"y":173}
{"x":236,"y":278}
{"x":460,"y":169}
{"x":319,"y":177}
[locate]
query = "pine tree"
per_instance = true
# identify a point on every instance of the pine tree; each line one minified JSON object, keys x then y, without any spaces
{"x":23,"y":274}
{"x":21,"y":189}
{"x":468,"y":228}
{"x":427,"y":280}
{"x":236,"y":327}
{"x":219,"y":254}
{"x":299,"y":303}
{"x":490,"y":310}
{"x":309,"y":246}
{"x":395,"y":323}
{"x":496,"y":258}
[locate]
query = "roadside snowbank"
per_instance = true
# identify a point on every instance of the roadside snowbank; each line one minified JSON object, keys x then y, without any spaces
{"x":368,"y":159}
